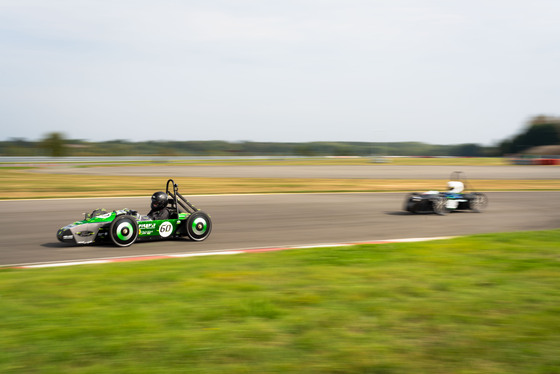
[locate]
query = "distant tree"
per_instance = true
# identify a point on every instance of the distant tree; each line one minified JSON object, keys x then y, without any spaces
{"x":547,"y":133}
{"x":505,"y":147}
{"x":540,"y":130}
{"x":467,"y":150}
{"x":304,"y":150}
{"x":18,"y":147}
{"x":343,"y":150}
{"x":54,"y":144}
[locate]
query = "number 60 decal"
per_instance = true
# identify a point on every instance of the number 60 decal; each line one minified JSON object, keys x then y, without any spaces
{"x":165,"y":229}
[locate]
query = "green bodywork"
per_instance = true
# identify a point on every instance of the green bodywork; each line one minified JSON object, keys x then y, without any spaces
{"x":160,"y":228}
{"x":95,"y":226}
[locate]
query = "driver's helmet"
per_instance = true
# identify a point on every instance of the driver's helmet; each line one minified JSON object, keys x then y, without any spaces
{"x":159,"y":200}
{"x":455,"y":187}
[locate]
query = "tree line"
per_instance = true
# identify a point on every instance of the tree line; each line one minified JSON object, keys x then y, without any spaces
{"x":54,"y":145}
{"x":540,"y":130}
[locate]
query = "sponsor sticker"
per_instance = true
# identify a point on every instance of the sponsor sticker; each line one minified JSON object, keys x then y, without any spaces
{"x":149,"y":226}
{"x":165,"y":229}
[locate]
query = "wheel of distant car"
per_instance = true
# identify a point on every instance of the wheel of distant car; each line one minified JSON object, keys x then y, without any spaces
{"x":123,"y":231}
{"x":199,"y":226}
{"x":409,"y":203}
{"x":479,"y":202}
{"x":439,"y":204}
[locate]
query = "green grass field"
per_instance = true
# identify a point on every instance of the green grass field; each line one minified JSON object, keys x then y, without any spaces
{"x":480,"y":304}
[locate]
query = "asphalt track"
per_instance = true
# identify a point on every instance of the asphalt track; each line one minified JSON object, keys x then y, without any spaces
{"x":28,"y":228}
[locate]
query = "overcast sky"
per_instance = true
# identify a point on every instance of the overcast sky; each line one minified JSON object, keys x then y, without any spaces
{"x":442,"y":72}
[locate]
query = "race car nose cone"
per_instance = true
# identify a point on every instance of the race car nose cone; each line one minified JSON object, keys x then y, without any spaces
{"x":65,"y":236}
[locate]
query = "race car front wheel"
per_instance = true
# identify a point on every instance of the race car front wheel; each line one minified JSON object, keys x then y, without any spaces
{"x":409,"y":204}
{"x":479,"y":202}
{"x":123,"y":231}
{"x":198,"y":226}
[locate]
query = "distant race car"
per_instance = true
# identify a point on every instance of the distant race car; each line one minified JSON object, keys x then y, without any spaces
{"x":124,"y":227}
{"x":444,"y":202}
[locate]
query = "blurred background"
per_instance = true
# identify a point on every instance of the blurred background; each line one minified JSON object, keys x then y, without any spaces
{"x":299,"y":77}
{"x":540,"y":137}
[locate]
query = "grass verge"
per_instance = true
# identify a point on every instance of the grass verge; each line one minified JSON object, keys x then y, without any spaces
{"x":480,"y":304}
{"x":21,"y":184}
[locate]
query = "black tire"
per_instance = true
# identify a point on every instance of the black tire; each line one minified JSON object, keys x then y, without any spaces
{"x":198,"y":226}
{"x":409,"y":205}
{"x":123,"y":231}
{"x":439,"y":204}
{"x":411,"y":208}
{"x":478,"y":202}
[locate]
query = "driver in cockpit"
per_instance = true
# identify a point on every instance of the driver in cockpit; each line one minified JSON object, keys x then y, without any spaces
{"x":158,"y":206}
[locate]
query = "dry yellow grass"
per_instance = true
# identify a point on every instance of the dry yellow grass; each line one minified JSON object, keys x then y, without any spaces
{"x":21,"y":184}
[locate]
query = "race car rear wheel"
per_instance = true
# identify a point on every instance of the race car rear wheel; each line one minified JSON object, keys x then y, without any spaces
{"x":198,"y":226}
{"x":439,"y":205}
{"x":479,"y":202}
{"x":123,"y":231}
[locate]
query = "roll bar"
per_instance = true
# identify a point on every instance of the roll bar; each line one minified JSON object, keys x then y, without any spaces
{"x":461,"y":177}
{"x":178,"y":199}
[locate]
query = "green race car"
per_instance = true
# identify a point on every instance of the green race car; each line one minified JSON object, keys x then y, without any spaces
{"x":124,"y":227}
